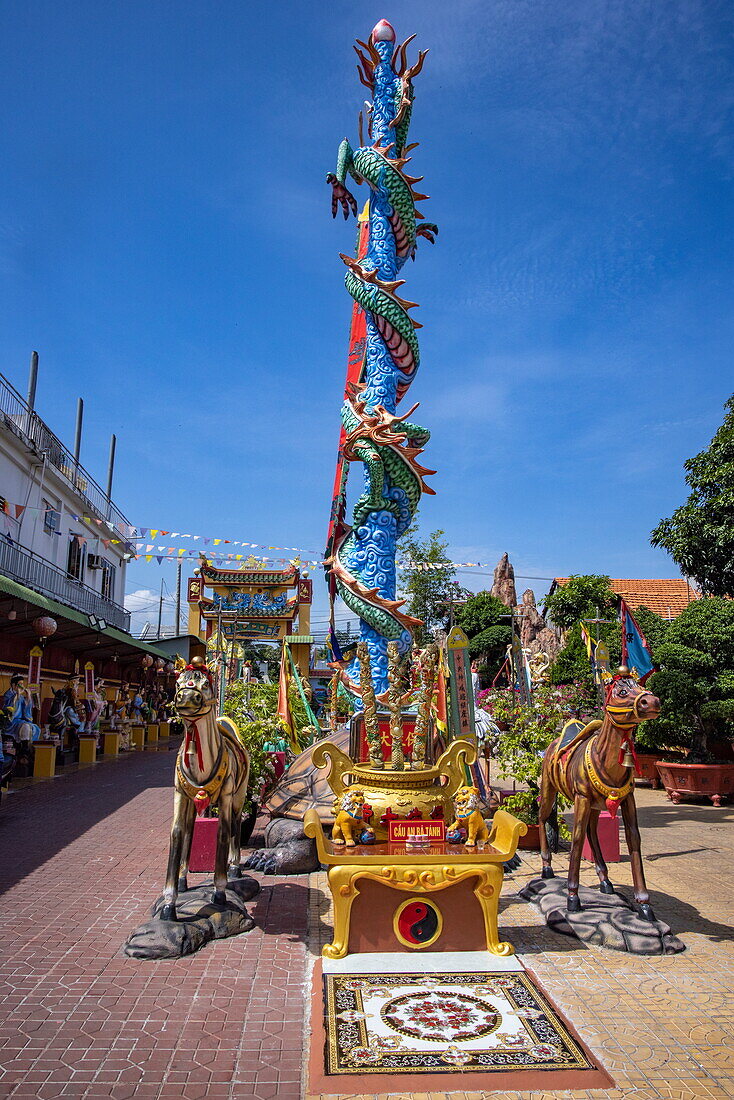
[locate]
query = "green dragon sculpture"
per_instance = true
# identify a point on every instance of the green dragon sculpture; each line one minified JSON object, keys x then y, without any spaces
{"x":362,"y":559}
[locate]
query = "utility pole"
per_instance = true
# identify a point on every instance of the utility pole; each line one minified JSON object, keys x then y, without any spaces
{"x":160,"y":610}
{"x":78,"y":435}
{"x":179,"y":565}
{"x":32,"y":380}
{"x":110,"y":474}
{"x":450,"y":602}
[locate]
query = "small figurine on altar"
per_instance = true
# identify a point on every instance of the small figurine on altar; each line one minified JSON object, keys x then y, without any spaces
{"x":120,"y":720}
{"x":349,"y":821}
{"x":94,"y":704}
{"x":468,"y":818}
{"x":64,"y":719}
{"x":17,"y":702}
{"x":136,"y":708}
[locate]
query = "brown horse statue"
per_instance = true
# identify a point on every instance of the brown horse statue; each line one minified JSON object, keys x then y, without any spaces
{"x":593,"y":766}
{"x":212,"y":769}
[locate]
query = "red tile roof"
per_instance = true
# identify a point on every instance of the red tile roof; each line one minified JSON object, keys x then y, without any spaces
{"x":665,"y":597}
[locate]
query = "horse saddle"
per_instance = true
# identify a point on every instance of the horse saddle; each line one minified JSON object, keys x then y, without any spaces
{"x":572,"y":735}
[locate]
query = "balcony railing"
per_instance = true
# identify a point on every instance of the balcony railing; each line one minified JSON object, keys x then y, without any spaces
{"x":28,"y":569}
{"x":16,"y":416}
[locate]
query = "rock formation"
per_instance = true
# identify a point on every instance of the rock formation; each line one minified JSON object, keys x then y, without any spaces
{"x":503,"y":586}
{"x":535,"y":634}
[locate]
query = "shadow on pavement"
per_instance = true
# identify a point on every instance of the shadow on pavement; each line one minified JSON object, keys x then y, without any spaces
{"x":40,"y":820}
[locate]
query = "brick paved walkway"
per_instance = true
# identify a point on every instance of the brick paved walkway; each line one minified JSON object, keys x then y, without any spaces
{"x":82,"y":858}
{"x":663,"y":1027}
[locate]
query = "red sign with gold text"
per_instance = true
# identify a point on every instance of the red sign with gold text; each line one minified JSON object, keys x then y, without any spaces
{"x":432,"y":830}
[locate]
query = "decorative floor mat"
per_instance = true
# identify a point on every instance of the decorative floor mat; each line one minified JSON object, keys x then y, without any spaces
{"x":419,"y":1023}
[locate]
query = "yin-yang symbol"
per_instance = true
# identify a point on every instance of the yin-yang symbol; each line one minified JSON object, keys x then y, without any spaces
{"x":417,"y":923}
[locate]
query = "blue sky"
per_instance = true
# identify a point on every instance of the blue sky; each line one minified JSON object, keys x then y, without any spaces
{"x":166,"y":246}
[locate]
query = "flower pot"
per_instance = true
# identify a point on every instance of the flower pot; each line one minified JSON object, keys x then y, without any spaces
{"x":714,"y":781}
{"x":531,"y":840}
{"x":647,"y":763}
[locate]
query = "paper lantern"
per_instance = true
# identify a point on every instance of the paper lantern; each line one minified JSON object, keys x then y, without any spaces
{"x":147,"y":661}
{"x":44,"y":626}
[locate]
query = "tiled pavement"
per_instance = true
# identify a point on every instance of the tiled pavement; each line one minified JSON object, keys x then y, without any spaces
{"x":82,"y":858}
{"x":663,"y":1027}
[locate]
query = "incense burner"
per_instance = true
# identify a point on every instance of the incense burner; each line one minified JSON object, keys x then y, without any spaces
{"x":396,"y":793}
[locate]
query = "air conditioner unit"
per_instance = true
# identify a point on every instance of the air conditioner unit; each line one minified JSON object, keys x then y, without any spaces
{"x":94,"y":561}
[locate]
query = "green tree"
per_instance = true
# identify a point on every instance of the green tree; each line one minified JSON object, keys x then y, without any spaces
{"x":581,"y":597}
{"x":485,"y":621}
{"x":429,"y":587}
{"x":695,"y":681}
{"x":699,"y":536}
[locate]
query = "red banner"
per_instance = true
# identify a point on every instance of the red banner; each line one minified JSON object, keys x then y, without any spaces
{"x":355,"y":366}
{"x":383,"y":725}
{"x":34,"y":667}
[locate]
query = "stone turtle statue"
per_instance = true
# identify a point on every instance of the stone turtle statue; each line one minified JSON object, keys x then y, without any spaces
{"x":288,"y":851}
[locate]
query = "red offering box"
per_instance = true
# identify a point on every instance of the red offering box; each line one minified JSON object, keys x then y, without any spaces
{"x":608,"y":832}
{"x":204,"y":844}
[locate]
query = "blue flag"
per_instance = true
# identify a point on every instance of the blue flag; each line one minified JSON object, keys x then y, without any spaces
{"x":635,"y":650}
{"x":336,"y":652}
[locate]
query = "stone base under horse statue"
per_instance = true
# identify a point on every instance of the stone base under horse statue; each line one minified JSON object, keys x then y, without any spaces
{"x":199,"y":921}
{"x":607,"y":920}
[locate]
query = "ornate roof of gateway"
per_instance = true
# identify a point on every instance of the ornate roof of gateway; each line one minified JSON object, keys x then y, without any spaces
{"x":257,"y":605}
{"x":248,"y":576}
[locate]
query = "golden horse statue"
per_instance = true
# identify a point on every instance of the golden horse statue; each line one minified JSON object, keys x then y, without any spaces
{"x":212,"y":769}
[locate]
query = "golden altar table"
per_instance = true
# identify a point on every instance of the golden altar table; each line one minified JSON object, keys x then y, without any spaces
{"x":453,"y":892}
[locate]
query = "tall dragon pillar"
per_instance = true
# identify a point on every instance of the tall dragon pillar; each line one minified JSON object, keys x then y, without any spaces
{"x":362,"y":556}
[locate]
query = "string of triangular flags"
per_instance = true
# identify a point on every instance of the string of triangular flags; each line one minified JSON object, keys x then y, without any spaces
{"x":134,"y":538}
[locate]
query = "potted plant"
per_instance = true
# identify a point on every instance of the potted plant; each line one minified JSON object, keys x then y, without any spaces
{"x":530,"y":728}
{"x":695,"y":684}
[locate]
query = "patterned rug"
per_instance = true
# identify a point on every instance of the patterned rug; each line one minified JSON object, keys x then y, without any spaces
{"x":430,"y":1023}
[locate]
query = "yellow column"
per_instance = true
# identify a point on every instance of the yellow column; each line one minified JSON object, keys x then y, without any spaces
{"x":152,"y":732}
{"x":111,"y":744}
{"x":87,"y":750}
{"x":302,"y":657}
{"x":44,"y":760}
{"x":137,"y":737}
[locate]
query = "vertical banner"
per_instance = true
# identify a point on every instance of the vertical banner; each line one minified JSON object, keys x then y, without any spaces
{"x":88,"y":680}
{"x":462,"y":698}
{"x":355,"y":365}
{"x":521,"y":671}
{"x":34,"y":668}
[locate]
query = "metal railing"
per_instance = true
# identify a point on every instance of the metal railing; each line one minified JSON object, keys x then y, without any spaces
{"x":19,"y":564}
{"x":16,"y":416}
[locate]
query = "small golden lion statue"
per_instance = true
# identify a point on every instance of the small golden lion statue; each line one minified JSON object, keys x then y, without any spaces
{"x":468,"y":816}
{"x":349,"y":821}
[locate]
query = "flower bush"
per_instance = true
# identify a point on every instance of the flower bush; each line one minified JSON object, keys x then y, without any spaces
{"x":529,"y":730}
{"x":258,"y":723}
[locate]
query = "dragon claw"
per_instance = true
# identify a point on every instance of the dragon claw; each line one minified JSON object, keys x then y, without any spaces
{"x":341,"y":194}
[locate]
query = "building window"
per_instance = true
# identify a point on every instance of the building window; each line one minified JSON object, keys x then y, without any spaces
{"x":75,"y":560}
{"x":108,"y":580}
{"x":51,"y":518}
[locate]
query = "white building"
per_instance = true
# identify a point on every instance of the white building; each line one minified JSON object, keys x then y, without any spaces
{"x":59,"y":533}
